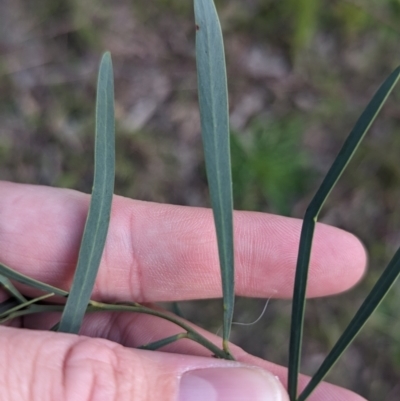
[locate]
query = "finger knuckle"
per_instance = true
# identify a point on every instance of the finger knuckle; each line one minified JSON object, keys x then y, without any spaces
{"x":92,"y":371}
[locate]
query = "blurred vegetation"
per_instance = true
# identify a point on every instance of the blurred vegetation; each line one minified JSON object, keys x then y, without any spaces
{"x":270,"y":167}
{"x":300,"y":73}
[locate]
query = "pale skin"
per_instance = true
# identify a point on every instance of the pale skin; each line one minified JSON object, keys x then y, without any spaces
{"x":154,"y":252}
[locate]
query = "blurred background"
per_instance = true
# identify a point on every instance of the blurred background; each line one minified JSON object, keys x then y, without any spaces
{"x":300,"y":73}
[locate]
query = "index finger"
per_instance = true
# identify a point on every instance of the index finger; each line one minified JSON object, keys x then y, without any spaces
{"x":158,"y":252}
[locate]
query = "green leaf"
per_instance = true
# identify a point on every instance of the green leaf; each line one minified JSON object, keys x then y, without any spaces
{"x":346,"y":153}
{"x":9,"y":286}
{"x":21,"y":278}
{"x":213,"y":102}
{"x":192,"y":334}
{"x":375,"y":297}
{"x":98,"y":219}
{"x":162,"y":343}
{"x":33,"y":308}
{"x":25,"y":305}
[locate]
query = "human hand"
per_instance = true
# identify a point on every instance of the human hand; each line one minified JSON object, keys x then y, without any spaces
{"x":153,"y":253}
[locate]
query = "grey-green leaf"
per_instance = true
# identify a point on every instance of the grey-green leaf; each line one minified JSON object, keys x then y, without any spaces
{"x":162,"y":343}
{"x":98,"y":219}
{"x":21,"y":278}
{"x":25,"y":305}
{"x":9,"y":286}
{"x":213,"y":102}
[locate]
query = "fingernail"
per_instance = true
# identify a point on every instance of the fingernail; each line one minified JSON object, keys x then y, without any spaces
{"x":230,"y":384}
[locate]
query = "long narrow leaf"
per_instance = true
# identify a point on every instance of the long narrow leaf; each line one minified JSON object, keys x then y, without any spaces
{"x":25,"y":305}
{"x":213,"y":102}
{"x":98,"y":219}
{"x":21,"y":278}
{"x":162,"y":343}
{"x":346,"y":153}
{"x":9,"y":286}
{"x":375,"y":297}
{"x":34,"y":308}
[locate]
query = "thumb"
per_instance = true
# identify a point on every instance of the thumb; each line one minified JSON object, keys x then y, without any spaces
{"x":38,"y":365}
{"x":229,"y":382}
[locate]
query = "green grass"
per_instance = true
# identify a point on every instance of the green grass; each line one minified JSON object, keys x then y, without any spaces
{"x":270,"y":167}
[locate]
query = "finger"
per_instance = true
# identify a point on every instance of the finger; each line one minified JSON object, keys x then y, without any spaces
{"x":45,"y":365}
{"x":157,"y":252}
{"x":134,"y":330}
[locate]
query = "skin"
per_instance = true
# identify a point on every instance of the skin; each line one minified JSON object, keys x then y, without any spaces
{"x":154,"y":252}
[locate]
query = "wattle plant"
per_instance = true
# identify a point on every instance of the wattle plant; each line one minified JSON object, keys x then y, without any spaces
{"x":213,"y":101}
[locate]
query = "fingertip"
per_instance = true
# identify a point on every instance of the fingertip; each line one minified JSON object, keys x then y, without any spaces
{"x":339,"y":257}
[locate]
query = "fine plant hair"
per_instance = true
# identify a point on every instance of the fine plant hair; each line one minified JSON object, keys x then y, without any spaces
{"x":214,"y":116}
{"x":260,"y":316}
